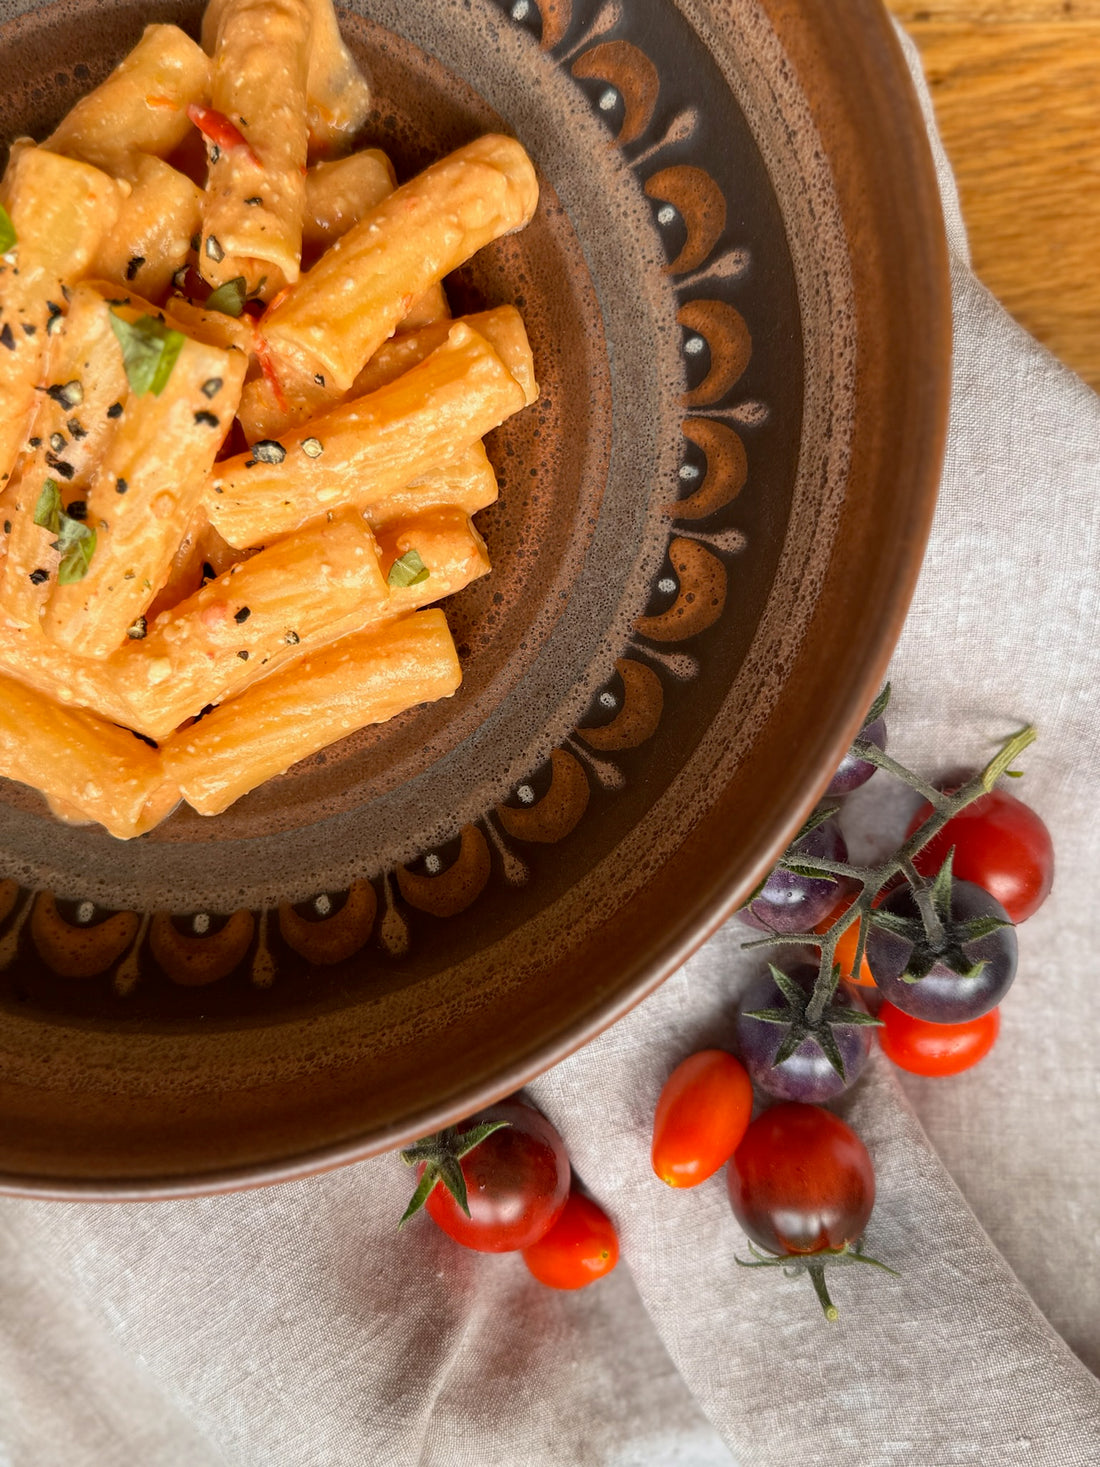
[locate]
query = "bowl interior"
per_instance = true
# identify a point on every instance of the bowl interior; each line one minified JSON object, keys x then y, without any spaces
{"x":420,"y":917}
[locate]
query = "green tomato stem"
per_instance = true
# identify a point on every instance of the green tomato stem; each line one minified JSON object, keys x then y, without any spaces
{"x":817,"y":1278}
{"x":874,"y":755}
{"x":922,"y":895}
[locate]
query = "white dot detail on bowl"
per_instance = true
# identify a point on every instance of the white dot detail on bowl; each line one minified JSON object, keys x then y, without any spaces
{"x":200,"y":924}
{"x":607,"y":700}
{"x":432,"y":864}
{"x":521,"y":10}
{"x":525,"y":794}
{"x":666,"y":214}
{"x":694,"y":345}
{"x":688,"y":471}
{"x":666,"y":584}
{"x":85,"y":912}
{"x":322,"y":905}
{"x":608,"y":99}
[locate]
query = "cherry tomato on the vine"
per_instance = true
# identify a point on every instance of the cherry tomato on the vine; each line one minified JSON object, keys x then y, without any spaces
{"x":517,"y":1181}
{"x":853,"y":771}
{"x":936,"y":1049}
{"x":945,"y":995}
{"x":581,"y":1247}
{"x":845,"y":953}
{"x":790,"y":902}
{"x":702,"y":1113}
{"x":1000,"y":844}
{"x":807,"y":1074}
{"x":801,"y":1181}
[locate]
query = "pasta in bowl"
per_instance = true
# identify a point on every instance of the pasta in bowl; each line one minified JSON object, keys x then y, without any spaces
{"x":236,"y":611}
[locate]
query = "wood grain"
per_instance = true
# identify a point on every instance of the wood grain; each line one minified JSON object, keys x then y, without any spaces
{"x":1016,"y":88}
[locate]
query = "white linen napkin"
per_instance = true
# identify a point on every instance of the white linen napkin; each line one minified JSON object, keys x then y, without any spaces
{"x":290,"y":1327}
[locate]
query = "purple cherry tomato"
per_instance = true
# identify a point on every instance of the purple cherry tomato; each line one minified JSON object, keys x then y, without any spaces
{"x":806,"y":1075}
{"x":788,"y":902}
{"x":852,"y":772}
{"x":943,"y":996}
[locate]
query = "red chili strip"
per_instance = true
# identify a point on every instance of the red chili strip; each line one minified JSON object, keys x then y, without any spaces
{"x":218,"y":129}
{"x":267,"y":366}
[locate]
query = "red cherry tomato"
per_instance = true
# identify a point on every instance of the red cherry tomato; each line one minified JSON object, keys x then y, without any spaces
{"x":702,"y":1114}
{"x":801,"y":1181}
{"x":580,"y":1248}
{"x":1001,"y":845}
{"x":517,"y":1181}
{"x":936,"y":1049}
{"x":218,"y":129}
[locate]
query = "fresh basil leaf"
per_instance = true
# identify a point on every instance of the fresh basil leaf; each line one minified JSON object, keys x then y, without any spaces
{"x":7,"y":232}
{"x":149,"y":352}
{"x":409,"y":570}
{"x":47,"y":512}
{"x":228,"y":298}
{"x":76,"y":542}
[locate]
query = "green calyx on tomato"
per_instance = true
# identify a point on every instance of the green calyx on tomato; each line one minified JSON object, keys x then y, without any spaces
{"x":814,"y":1264}
{"x":799,"y":1023}
{"x":441,"y":1155}
{"x":937,"y":936}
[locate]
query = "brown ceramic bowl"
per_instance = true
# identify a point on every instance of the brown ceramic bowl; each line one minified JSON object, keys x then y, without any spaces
{"x":708,"y":532}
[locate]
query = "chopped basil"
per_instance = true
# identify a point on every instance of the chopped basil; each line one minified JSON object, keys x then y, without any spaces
{"x":78,"y":509}
{"x":312,"y":447}
{"x":409,"y":570}
{"x":268,"y":451}
{"x":292,"y":639}
{"x":228,"y":298}
{"x":47,"y":512}
{"x":7,"y":336}
{"x":7,"y":231}
{"x":133,"y":265}
{"x":55,"y":318}
{"x":211,"y":387}
{"x":57,"y":441}
{"x":39,"y":577}
{"x":76,"y":542}
{"x":214,"y":249}
{"x":136,"y":630}
{"x":115,"y":410}
{"x":206,"y":420}
{"x":255,"y":199}
{"x":242,"y":615}
{"x":149,"y":352}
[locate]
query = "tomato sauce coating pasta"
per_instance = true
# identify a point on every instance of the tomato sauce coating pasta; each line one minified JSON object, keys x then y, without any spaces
{"x":240,"y":436}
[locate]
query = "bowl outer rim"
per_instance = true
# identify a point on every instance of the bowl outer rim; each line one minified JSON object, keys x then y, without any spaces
{"x":812,"y":30}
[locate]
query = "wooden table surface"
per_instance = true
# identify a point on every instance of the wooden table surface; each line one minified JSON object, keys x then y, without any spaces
{"x":1016,"y":87}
